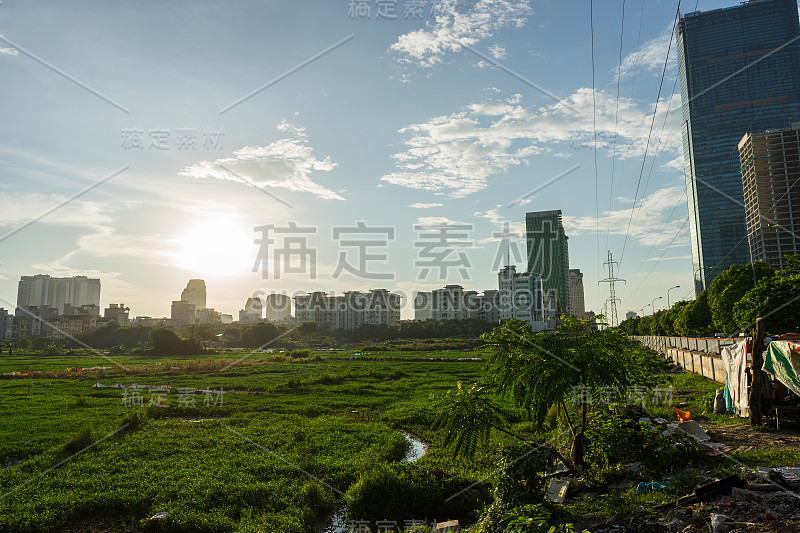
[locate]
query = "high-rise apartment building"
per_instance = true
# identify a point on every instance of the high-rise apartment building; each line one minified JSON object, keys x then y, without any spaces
{"x":738,"y":75}
{"x":44,"y":291}
{"x":548,"y":256}
{"x":195,"y":293}
{"x":771,"y":183}
{"x":521,"y":297}
{"x":577,"y":303}
{"x":278,"y":307}
{"x":350,"y":310}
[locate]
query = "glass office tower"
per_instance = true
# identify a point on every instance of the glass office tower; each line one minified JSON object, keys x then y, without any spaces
{"x":731,"y":61}
{"x":548,"y":256}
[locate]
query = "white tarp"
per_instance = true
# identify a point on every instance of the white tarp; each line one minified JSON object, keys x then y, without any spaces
{"x":734,"y":357}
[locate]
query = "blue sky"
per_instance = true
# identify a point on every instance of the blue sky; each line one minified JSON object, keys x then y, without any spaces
{"x":447,"y":117}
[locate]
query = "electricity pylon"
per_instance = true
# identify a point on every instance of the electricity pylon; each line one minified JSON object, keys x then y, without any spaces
{"x":611,"y":280}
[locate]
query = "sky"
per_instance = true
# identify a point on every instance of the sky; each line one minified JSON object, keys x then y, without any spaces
{"x":292,"y":146}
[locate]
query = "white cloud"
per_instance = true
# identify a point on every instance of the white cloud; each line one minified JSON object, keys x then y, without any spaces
{"x":513,"y":229}
{"x":650,"y":56}
{"x":286,"y":163}
{"x":453,"y":29}
{"x":9,"y":51}
{"x":497,"y":51}
{"x":420,"y":205}
{"x":457,"y":154}
{"x":20,"y":208}
{"x":648,"y":219}
{"x":433,"y":222}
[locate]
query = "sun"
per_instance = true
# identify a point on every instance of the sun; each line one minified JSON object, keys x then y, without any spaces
{"x":218,"y":246}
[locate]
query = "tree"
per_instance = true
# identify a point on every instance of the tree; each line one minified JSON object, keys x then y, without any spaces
{"x":165,"y":341}
{"x":259,"y":334}
{"x":776,"y":299}
{"x":539,"y":371}
{"x":307,"y":330}
{"x":206,"y":332}
{"x":729,"y":287}
{"x":694,"y":318}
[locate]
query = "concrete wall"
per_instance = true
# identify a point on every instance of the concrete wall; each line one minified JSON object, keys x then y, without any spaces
{"x":700,"y":356}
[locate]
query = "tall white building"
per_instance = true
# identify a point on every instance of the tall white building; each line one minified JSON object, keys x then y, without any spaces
{"x":350,"y":310}
{"x":43,"y":291}
{"x":195,"y":293}
{"x":423,"y":305}
{"x":521,"y":298}
{"x":450,"y":303}
{"x":486,"y":307}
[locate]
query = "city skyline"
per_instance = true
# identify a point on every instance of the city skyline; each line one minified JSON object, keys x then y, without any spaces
{"x":460,"y":118}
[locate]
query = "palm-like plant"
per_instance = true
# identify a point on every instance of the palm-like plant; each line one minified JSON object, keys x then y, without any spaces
{"x":539,"y":371}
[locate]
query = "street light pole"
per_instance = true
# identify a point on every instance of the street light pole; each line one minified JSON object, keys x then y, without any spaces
{"x":675,"y":287}
{"x":654,"y":304}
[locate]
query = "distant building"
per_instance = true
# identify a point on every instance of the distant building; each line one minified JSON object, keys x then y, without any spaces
{"x":207,"y":316}
{"x":182,"y":313}
{"x":350,"y":310}
{"x":423,"y":305}
{"x":630,"y":314}
{"x":76,"y":320}
{"x":118,"y":313}
{"x":521,"y":298}
{"x":278,"y":307}
{"x":486,"y":307}
{"x":34,"y":321}
{"x":450,"y":303}
{"x":6,"y":325}
{"x":577,"y":304}
{"x":150,"y":321}
{"x":548,"y":256}
{"x":738,"y":73}
{"x":195,"y":293}
{"x":43,"y":291}
{"x":771,"y":182}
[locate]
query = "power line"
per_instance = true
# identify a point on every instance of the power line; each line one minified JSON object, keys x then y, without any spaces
{"x":594,"y":127}
{"x":616,"y":122}
{"x":650,"y":133}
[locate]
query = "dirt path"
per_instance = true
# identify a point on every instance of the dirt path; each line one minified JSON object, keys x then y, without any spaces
{"x":744,"y":435}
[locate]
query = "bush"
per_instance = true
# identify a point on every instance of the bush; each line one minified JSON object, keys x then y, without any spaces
{"x":403,"y":491}
{"x":613,"y":439}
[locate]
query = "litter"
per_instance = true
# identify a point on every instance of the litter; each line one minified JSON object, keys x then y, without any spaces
{"x":159,"y":516}
{"x":683,"y":416}
{"x":641,"y":488}
{"x":690,"y":427}
{"x":716,"y":522}
{"x":557,"y":490}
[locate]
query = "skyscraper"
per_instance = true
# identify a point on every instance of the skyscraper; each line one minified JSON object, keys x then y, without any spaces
{"x":577,"y":304}
{"x":771,"y":182}
{"x":195,"y":293}
{"x":731,"y":61}
{"x":548,"y":256}
{"x":43,"y":291}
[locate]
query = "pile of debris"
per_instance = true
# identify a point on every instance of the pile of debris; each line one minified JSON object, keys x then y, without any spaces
{"x":764,"y":500}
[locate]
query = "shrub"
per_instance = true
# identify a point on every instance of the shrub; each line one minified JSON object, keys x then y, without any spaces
{"x":402,"y":491}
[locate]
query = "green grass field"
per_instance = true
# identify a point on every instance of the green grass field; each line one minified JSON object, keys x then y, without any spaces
{"x":274,"y":454}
